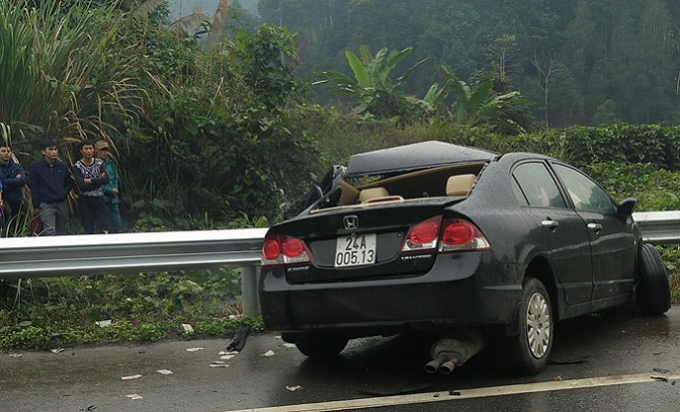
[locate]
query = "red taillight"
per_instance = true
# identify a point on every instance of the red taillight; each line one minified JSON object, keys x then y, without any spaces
{"x":424,"y":232}
{"x":461,"y":235}
{"x":283,"y":249}
{"x":423,"y":236}
{"x":292,"y":247}
{"x":458,"y":233}
{"x":270,"y":249}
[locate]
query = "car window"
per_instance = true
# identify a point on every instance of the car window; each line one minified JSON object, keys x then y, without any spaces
{"x":521,"y":199}
{"x":538,"y":187}
{"x":585,"y":193}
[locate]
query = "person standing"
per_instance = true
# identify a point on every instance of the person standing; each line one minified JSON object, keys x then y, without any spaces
{"x":110,"y":189}
{"x":50,"y":185}
{"x":90,"y":174}
{"x":13,"y":179}
{"x":2,"y":213}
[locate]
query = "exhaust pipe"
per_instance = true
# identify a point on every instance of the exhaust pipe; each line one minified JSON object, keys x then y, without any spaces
{"x":454,"y":350}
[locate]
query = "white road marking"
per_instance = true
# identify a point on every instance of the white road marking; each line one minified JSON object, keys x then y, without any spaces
{"x":363,"y":403}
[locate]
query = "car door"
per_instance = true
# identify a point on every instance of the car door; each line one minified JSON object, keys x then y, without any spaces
{"x":612,"y":240}
{"x":561,"y":230}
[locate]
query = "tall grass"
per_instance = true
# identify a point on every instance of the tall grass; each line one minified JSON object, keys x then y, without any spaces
{"x":61,"y":76}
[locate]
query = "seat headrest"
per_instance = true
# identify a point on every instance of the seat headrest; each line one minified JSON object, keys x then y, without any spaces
{"x":460,"y":185}
{"x":372,"y":193}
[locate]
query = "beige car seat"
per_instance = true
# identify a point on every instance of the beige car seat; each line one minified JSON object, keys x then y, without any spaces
{"x":460,"y":185}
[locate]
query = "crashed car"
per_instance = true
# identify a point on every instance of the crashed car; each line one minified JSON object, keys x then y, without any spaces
{"x":484,"y":248}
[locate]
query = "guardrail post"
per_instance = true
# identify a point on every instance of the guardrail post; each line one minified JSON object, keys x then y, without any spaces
{"x":250,"y":299}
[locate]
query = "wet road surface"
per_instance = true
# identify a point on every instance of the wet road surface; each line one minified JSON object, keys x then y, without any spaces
{"x":370,"y":372}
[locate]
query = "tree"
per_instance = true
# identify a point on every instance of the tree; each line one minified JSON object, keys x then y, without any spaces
{"x":545,"y":66}
{"x":503,"y":49}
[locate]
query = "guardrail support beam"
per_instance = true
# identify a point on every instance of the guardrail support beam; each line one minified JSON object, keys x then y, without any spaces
{"x":250,"y":299}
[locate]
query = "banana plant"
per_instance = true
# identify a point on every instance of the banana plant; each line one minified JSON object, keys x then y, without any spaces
{"x":481,"y":105}
{"x":371,"y":86}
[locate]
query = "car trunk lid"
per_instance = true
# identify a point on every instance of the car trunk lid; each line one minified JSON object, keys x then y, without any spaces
{"x":362,"y":242}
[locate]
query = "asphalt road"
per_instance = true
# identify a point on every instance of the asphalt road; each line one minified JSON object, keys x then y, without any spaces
{"x":616,"y":361}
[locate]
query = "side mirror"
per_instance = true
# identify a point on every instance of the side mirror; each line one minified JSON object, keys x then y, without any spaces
{"x":627,"y":206}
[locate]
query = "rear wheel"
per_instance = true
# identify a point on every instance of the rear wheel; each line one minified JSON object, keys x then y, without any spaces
{"x":652,"y":293}
{"x":321,"y":346}
{"x":528,"y":352}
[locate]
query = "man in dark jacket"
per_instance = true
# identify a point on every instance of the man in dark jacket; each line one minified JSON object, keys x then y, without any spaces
{"x":13,"y":178}
{"x":51,"y":183}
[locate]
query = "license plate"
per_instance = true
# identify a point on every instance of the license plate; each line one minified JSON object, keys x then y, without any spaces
{"x":355,"y":250}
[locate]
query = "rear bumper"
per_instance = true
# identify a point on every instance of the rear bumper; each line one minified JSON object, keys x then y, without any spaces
{"x":459,"y":290}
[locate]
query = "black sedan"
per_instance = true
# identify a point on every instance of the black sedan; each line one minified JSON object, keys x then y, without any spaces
{"x":482,"y":248}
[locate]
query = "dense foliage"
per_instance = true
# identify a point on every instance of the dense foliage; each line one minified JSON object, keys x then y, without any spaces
{"x":581,"y":62}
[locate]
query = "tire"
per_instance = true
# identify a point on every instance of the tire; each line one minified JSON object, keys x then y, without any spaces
{"x":528,"y":352}
{"x":321,"y":346}
{"x":652,"y":292}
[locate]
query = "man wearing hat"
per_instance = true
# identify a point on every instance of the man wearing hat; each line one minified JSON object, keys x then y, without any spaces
{"x":110,"y":189}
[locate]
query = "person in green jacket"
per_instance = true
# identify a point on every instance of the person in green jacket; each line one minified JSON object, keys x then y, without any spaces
{"x":111,"y":191}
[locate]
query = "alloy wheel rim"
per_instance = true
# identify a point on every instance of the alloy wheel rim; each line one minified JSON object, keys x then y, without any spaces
{"x":538,"y":325}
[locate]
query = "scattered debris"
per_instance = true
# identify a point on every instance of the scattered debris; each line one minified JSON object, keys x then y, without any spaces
{"x":269,"y":353}
{"x":227,"y":353}
{"x":277,"y":337}
{"x":187,"y":328}
{"x":240,"y":337}
{"x":218,"y":362}
{"x":134,"y":396}
{"x":659,"y":370}
{"x":454,"y":393}
{"x":59,"y":350}
{"x":393,"y":392}
{"x":227,"y":357}
{"x":164,"y":371}
{"x":89,"y":408}
{"x":103,"y":323}
{"x":436,"y":395}
{"x":16,"y":355}
{"x":194,"y":349}
{"x":219,"y":365}
{"x":659,"y":378}
{"x":293,"y":388}
{"x":568,"y":361}
{"x":131,"y":377}
{"x":289,"y":345}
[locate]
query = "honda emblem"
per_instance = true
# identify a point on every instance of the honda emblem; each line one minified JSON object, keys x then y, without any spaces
{"x":351,"y":222}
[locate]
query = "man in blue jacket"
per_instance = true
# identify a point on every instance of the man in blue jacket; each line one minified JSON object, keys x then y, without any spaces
{"x":13,"y":179}
{"x":110,"y":189}
{"x":51,"y":183}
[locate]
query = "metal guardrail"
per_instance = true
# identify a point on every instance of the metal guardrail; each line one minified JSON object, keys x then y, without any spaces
{"x":659,"y":228}
{"x":134,"y":252}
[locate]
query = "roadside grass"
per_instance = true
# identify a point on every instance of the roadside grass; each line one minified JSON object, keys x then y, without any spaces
{"x":50,"y":313}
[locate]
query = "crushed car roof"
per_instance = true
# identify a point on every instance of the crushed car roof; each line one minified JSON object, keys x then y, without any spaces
{"x":413,"y":157}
